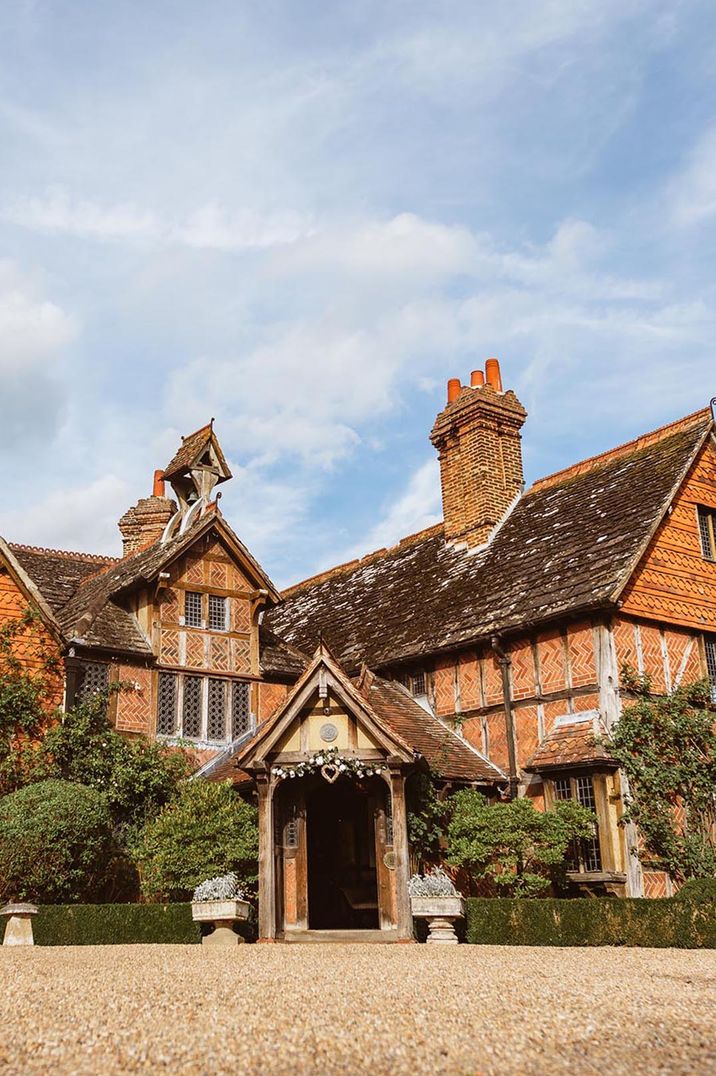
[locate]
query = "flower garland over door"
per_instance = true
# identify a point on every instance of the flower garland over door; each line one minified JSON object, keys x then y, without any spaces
{"x":330,"y":764}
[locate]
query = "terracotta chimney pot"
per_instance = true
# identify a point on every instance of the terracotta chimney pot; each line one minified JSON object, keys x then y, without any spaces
{"x":158,"y":488}
{"x":454,"y":388}
{"x":493,"y":375}
{"x":477,"y":379}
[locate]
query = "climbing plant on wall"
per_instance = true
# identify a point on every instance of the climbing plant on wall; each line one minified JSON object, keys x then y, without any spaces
{"x":666,"y":746}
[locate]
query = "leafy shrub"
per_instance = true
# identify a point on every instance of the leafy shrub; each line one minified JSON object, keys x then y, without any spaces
{"x":591,"y":921}
{"x":115,"y":924}
{"x":513,"y":845}
{"x":698,"y":891}
{"x":56,"y":842}
{"x":208,"y":830}
{"x":138,"y":776}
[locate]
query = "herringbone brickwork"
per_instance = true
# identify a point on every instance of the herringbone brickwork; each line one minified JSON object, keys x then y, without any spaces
{"x":674,"y":583}
{"x":135,"y":707}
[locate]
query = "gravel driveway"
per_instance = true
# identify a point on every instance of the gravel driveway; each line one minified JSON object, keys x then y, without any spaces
{"x":356,"y":1008}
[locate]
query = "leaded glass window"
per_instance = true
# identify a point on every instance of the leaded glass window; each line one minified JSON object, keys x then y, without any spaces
{"x":92,"y":679}
{"x":216,"y":711}
{"x":191,"y":710}
{"x":167,"y":704}
{"x":240,"y":709}
{"x":217,"y":612}
{"x":711,"y":665}
{"x":707,"y":532}
{"x":192,"y":609}
{"x":584,"y":855}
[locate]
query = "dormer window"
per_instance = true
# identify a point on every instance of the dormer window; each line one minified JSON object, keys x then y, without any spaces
{"x":217,"y":613}
{"x":192,"y":609}
{"x":707,"y":531}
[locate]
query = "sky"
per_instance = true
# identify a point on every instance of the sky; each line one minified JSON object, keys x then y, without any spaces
{"x":302,"y":218}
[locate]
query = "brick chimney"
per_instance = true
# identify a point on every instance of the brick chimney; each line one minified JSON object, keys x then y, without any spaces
{"x":477,"y":436}
{"x":144,"y":523}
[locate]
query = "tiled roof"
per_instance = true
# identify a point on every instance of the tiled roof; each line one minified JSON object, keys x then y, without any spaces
{"x":279,"y":658}
{"x":57,"y":573}
{"x":191,"y":447}
{"x":567,"y":547}
{"x":447,"y":753}
{"x":569,"y":746}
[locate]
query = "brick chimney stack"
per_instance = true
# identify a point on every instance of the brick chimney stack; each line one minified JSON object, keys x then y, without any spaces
{"x":144,"y":523}
{"x":477,"y":436}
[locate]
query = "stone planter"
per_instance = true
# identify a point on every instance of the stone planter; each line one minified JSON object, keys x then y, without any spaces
{"x":441,"y":913}
{"x":222,"y":913}
{"x":18,"y":929}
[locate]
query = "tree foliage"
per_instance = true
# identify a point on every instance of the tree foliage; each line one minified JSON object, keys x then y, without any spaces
{"x":512,"y":845}
{"x":666,"y":746}
{"x":426,"y":818}
{"x":138,"y":777}
{"x":208,"y":830}
{"x":56,"y":843}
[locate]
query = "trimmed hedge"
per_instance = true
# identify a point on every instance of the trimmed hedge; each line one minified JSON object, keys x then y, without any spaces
{"x":115,"y":924}
{"x":668,"y":923}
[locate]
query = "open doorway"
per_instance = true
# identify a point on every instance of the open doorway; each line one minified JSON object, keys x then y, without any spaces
{"x":342,"y":881}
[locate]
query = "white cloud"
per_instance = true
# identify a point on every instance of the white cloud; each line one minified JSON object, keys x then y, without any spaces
{"x":34,"y":335}
{"x":82,"y":518}
{"x":418,"y":507}
{"x":693,"y":192}
{"x":211,"y":226}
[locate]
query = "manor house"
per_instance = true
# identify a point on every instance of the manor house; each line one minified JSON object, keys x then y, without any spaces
{"x":487,"y":650}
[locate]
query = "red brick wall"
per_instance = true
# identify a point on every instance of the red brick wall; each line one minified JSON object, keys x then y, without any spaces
{"x":270,"y":698}
{"x":34,"y":645}
{"x":673,"y":583}
{"x":135,"y":708}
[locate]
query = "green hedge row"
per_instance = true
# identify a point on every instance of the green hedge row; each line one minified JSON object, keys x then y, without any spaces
{"x":115,"y":924}
{"x":669,"y":923}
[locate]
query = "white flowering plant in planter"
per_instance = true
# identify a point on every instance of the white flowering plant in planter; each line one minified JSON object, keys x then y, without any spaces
{"x":434,"y":883}
{"x":331,"y":764}
{"x":225,"y":887}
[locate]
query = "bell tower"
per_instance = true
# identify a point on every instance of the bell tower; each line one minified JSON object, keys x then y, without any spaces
{"x":193,"y":473}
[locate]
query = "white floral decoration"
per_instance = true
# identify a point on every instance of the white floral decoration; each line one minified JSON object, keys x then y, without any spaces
{"x":434,"y":883}
{"x":329,"y":756}
{"x":226,"y":887}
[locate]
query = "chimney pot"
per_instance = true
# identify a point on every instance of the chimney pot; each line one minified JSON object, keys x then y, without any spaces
{"x":454,"y":388}
{"x":477,"y":379}
{"x":493,"y":375}
{"x":158,"y":488}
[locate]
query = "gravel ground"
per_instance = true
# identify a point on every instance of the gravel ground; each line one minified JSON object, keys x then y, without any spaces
{"x":356,"y":1008}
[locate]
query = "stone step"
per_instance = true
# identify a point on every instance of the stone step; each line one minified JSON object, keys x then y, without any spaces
{"x":342,"y":936}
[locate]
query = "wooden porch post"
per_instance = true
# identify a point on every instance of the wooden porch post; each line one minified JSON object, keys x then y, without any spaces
{"x":404,"y":919}
{"x":267,"y":888}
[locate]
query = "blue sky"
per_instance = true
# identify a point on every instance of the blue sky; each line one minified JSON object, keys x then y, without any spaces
{"x":303,"y":218}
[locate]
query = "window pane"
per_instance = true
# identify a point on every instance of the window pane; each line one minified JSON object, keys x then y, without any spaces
{"x":240,"y":711}
{"x":562,"y":788}
{"x":167,"y":704}
{"x":191,"y":711}
{"x":585,"y":792}
{"x":418,"y":686}
{"x":92,"y":678}
{"x":216,"y":716}
{"x":711,"y":665}
{"x":707,"y":532}
{"x":217,"y":613}
{"x":192,"y":609}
